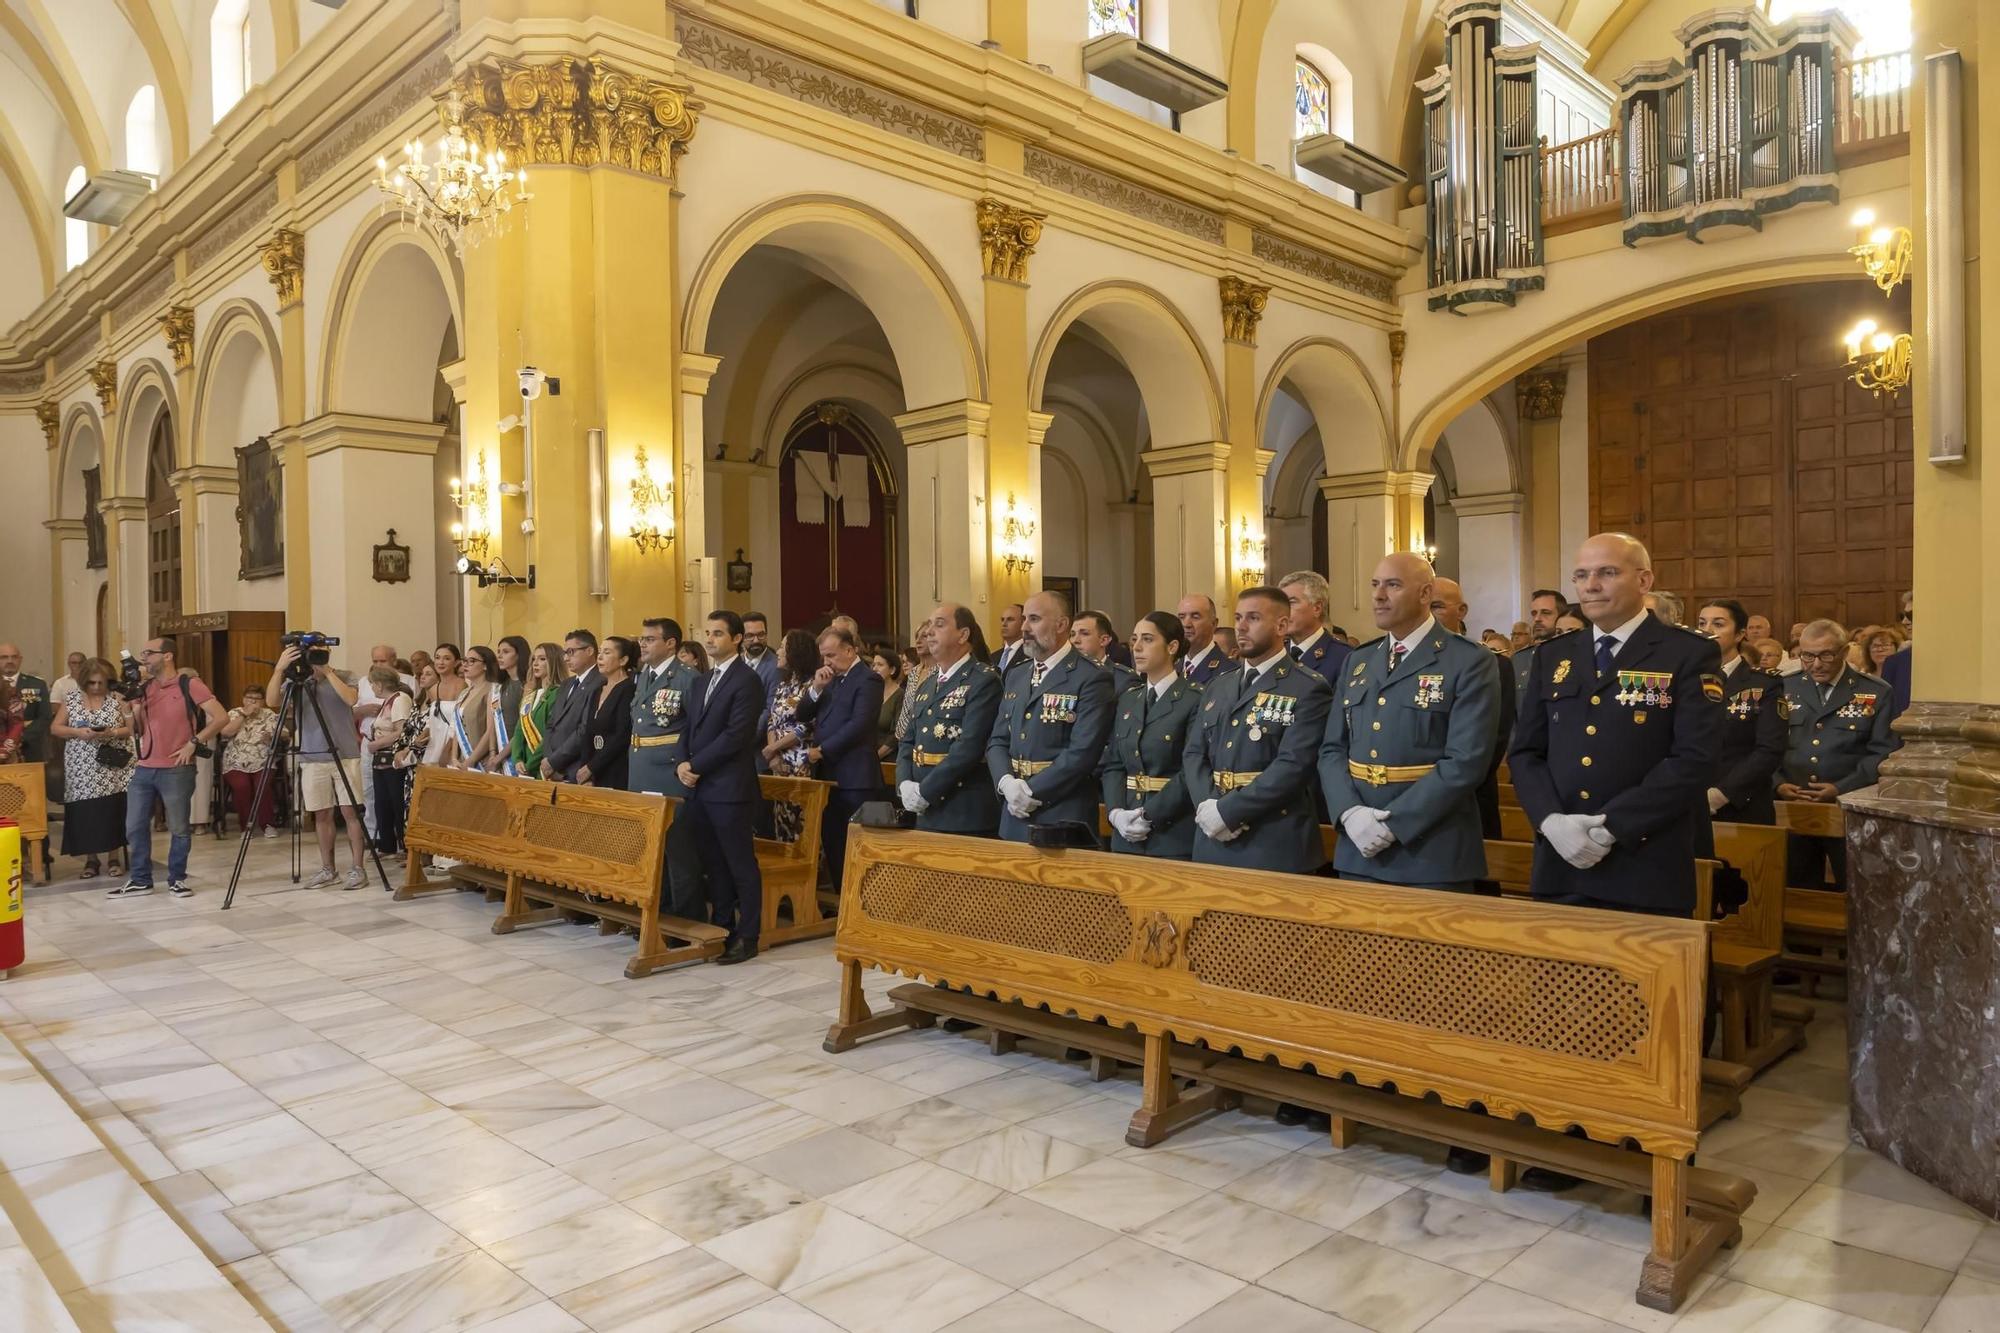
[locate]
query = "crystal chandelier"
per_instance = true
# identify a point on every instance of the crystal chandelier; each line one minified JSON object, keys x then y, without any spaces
{"x":460,"y":196}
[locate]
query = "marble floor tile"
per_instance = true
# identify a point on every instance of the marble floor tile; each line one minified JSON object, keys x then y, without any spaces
{"x":914,"y":1199}
{"x":1448,"y":1231}
{"x":1984,"y":1260}
{"x":1904,"y":1230}
{"x":829,"y":1162}
{"x":1015,"y":1241}
{"x":1315,"y":1190}
{"x":852,"y":1097}
{"x":582,"y":1134}
{"x":1970,"y":1305}
{"x":583,"y":1247}
{"x":1231,"y":1236}
{"x":1734,"y":1307}
{"x":1096,"y":1123}
{"x":714,"y":1204}
{"x":1015,"y":1158}
{"x":1130,"y":1287}
{"x":1864,"y":1172}
{"x":927,"y":1127}
{"x":306,"y":1214}
{"x":1593,"y":1276}
{"x":185,"y":1294}
{"x":1782,"y":1151}
{"x":1492,"y":1308}
{"x":1368,"y":1285}
{"x":462,"y":1292}
{"x":359,"y":1256}
{"x":779,"y":1315}
{"x":1016,"y":1313}
{"x":801,"y":1245}
{"x":500,"y":1212}
{"x":27,"y":1296}
{"x":640,"y":1168}
{"x":280,"y":1171}
{"x":686,"y":1290}
{"x":452,"y":1172}
{"x":1114,"y":1194}
{"x":193,"y":1152}
{"x":542,"y":1317}
{"x":1875,"y":1286}
{"x":754,"y":1131}
{"x":905,"y":1289}
{"x":931,"y":1074}
{"x":1016,"y":1097}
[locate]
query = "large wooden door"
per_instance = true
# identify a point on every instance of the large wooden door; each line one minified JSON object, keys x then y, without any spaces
{"x":1728,"y":438}
{"x":836,"y":526}
{"x":163,"y":528}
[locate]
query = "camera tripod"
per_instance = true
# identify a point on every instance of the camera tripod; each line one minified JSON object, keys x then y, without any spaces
{"x":290,"y":705}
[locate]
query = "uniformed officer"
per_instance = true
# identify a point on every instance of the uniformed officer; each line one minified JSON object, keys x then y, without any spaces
{"x":1145,"y":786}
{"x":940,"y":775}
{"x":1407,"y":743}
{"x":1204,"y":659}
{"x":1616,"y":743}
{"x":664,"y":691}
{"x":1091,"y":634}
{"x":1545,"y":607}
{"x":1449,"y":606}
{"x":1308,"y":596}
{"x":1050,"y":732}
{"x":1250,"y":761}
{"x":1838,"y":736}
{"x":1753,"y":731}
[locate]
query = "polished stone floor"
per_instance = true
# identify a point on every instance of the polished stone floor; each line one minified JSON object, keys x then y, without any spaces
{"x":377,"y":1115}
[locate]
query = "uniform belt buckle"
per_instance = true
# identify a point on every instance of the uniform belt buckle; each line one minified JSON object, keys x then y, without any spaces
{"x":1378,"y":775}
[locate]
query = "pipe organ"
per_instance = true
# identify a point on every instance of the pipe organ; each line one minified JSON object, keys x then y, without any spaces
{"x":1744,"y":126}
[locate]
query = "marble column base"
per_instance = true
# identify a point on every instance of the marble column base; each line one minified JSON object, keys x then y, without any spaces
{"x":1923,"y":976}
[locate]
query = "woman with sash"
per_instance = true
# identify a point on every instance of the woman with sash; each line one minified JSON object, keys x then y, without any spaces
{"x":474,"y":728}
{"x":545,"y":675}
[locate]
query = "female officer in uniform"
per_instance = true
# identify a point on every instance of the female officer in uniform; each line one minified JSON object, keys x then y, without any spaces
{"x":1145,"y":786}
{"x":1752,"y":742}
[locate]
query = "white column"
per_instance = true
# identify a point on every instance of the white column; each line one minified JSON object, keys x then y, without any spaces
{"x":1492,"y":561}
{"x":73,"y":622}
{"x":367,"y":475}
{"x":701,"y":565}
{"x":950,"y":546}
{"x":1573,"y":463}
{"x":125,"y":558}
{"x":1190,"y":511}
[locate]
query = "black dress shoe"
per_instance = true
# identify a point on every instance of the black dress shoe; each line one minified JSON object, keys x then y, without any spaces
{"x":1075,"y":1053}
{"x":1289,"y":1114}
{"x":1547,"y":1181}
{"x":740,"y":951}
{"x":1465,"y":1162}
{"x":958,"y":1025}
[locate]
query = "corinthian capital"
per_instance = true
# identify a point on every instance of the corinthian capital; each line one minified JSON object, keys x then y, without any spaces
{"x":1007,"y":236}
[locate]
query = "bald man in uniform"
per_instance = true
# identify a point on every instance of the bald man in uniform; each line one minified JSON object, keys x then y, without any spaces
{"x":1205,"y":659}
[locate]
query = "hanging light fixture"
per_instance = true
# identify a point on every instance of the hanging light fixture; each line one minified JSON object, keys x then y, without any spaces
{"x":1017,"y":540}
{"x":651,"y":526}
{"x":1880,"y":361}
{"x":1252,"y":550}
{"x":1885,"y":252}
{"x":460,"y":195}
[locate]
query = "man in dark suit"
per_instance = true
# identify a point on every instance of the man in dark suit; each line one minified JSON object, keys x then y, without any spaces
{"x":720,"y":775}
{"x":568,"y":730}
{"x":1616,"y":744}
{"x":1312,"y":647}
{"x":940,"y":769}
{"x":1050,"y":732}
{"x":1449,"y":606}
{"x":1013,"y":649}
{"x":1205,"y":659}
{"x":841,"y":703}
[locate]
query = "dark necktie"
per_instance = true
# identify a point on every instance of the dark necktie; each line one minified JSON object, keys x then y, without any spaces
{"x":1607,"y":648}
{"x":1298,"y":653}
{"x":1145,"y":707}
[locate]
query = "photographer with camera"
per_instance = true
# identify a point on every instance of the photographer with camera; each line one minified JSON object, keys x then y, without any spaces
{"x":174,"y":719}
{"x":326,"y":752}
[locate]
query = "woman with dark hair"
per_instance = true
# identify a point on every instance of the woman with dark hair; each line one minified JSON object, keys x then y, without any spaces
{"x":1145,"y":795}
{"x":608,"y":739}
{"x":1752,"y":742}
{"x":694,"y":655}
{"x":888,"y":664}
{"x":788,"y":739}
{"x":481,"y":671}
{"x":512,"y":654}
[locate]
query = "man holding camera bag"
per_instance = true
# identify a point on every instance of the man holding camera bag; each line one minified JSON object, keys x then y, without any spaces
{"x":330,"y":694}
{"x":174,"y":719}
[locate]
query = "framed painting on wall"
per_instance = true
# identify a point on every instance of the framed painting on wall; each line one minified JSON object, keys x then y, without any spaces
{"x":260,"y":511}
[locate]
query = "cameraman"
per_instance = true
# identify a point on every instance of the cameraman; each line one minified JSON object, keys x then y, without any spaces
{"x":320,"y":787}
{"x":174,"y":718}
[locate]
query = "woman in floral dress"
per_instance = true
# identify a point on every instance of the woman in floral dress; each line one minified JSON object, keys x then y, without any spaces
{"x":786,"y":743}
{"x":93,"y":791}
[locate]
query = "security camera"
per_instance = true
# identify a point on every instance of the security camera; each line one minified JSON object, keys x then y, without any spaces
{"x":531,"y":382}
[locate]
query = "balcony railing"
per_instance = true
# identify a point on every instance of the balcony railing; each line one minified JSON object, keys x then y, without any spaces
{"x":1581,"y":176}
{"x":1872,"y":98}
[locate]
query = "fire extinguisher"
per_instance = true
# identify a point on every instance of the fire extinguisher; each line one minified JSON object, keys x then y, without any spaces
{"x":13,"y":944}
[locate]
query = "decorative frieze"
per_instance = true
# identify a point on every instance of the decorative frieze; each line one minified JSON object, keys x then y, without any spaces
{"x":284,"y":258}
{"x":362,"y":129}
{"x":737,"y":57}
{"x":142,"y":297}
{"x":177,"y":322}
{"x":1007,"y":236}
{"x":21,"y":381}
{"x":78,"y":349}
{"x":1113,"y":192}
{"x":574,"y":112}
{"x":212,"y":240}
{"x":1243,"y":305}
{"x":1540,"y":394}
{"x":48,"y":413}
{"x":1321,"y":267}
{"x":104,"y":374}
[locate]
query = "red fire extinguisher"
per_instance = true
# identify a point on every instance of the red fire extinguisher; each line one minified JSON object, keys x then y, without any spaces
{"x":13,"y":943}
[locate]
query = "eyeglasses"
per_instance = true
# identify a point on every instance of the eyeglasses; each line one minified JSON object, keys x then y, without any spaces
{"x":1829,"y":655}
{"x":152,"y":652}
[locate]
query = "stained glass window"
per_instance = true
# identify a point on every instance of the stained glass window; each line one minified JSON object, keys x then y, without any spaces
{"x":1114,"y":16}
{"x":1314,"y":99}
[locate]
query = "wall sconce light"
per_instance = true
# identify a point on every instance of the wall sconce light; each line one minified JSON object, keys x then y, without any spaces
{"x":1017,"y":540}
{"x":1880,"y":361}
{"x":651,"y":522}
{"x":468,"y":534}
{"x":1885,"y":252}
{"x":1428,"y":551}
{"x":1252,"y":550}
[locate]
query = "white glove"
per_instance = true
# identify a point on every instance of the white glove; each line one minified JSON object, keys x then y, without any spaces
{"x":1599,"y":834}
{"x":1131,"y":825}
{"x":1570,"y":836}
{"x":913,"y":797}
{"x":1368,"y":829}
{"x":1716,"y":799}
{"x":1020,"y":799}
{"x":1208,"y":818}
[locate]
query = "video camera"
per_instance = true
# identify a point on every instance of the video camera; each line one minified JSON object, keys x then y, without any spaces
{"x":131,"y":679}
{"x":312,"y":646}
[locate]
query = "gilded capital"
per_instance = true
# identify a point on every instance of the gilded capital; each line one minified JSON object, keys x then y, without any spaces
{"x":1399,"y":342}
{"x":573,"y":112}
{"x":49,"y":413}
{"x":1541,"y":394}
{"x":285,"y":264}
{"x":104,"y":374}
{"x":1007,"y":236}
{"x":1243,"y":305}
{"x":178,"y":324}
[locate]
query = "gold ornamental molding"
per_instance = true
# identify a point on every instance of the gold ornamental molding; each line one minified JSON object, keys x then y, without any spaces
{"x":177,"y":322}
{"x":104,"y":374}
{"x":1243,"y":305}
{"x":49,"y":413}
{"x":285,"y":264}
{"x":1541,"y":393}
{"x":1399,"y":342}
{"x":575,"y":112}
{"x":1007,"y":236}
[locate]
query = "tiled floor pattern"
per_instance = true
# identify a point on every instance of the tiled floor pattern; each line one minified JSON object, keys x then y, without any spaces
{"x":382,"y":1116}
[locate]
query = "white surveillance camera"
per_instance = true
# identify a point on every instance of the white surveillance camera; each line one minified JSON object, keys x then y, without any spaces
{"x":531,"y":382}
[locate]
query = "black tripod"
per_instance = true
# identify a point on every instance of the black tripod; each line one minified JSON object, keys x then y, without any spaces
{"x":289,"y":706}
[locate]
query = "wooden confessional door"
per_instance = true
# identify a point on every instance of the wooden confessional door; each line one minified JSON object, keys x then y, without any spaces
{"x":836,"y":526}
{"x":1728,"y":438}
{"x":163,"y":528}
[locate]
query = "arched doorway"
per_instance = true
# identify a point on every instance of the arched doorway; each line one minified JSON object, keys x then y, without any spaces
{"x":163,"y":527}
{"x":836,"y":524}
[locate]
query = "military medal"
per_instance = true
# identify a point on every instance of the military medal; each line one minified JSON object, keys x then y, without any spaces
{"x":938,"y":730}
{"x":1430,"y":690}
{"x":1256,"y":732}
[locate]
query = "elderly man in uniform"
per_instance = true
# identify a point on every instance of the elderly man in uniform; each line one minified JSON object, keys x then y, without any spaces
{"x":1312,"y":647}
{"x":661,"y":698}
{"x":1839,"y":734}
{"x":1616,"y":744}
{"x":1252,"y":752}
{"x":1449,"y":606}
{"x":1205,"y":658}
{"x":940,"y":776}
{"x":1050,"y":733}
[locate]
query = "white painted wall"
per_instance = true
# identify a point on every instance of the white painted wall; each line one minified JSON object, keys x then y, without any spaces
{"x":25,"y":616}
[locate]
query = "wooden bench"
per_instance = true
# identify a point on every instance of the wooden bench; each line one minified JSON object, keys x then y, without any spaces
{"x":1815,"y":919}
{"x":792,"y":909}
{"x":1755,"y":1027}
{"x":25,"y":799}
{"x":574,"y":850}
{"x":1245,"y":981}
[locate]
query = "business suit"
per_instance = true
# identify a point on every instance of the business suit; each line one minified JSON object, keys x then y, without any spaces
{"x":1142,"y":766}
{"x":1010,"y":656}
{"x":844,"y":717}
{"x":1751,"y":744}
{"x":661,"y":700}
{"x":1253,"y":750}
{"x":1433,"y":710}
{"x":1211,"y":664}
{"x":1841,"y":739}
{"x":1636,"y":744}
{"x":723,"y":803}
{"x":1896,"y":672}
{"x":569,"y":720}
{"x":943,"y":750}
{"x":1050,"y":733}
{"x":608,"y":737}
{"x":768,"y":671}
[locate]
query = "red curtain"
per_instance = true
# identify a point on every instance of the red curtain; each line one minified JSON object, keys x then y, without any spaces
{"x":832,"y":567}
